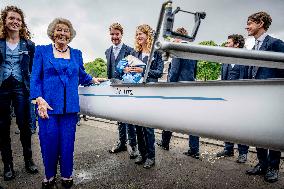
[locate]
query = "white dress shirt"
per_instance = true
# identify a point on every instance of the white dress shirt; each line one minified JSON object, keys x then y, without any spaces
{"x":259,"y":41}
{"x":116,"y":50}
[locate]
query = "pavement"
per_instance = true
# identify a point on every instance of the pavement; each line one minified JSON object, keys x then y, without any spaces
{"x":94,"y":167}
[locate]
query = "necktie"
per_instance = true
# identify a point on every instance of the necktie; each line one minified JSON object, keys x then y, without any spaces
{"x":255,"y":68}
{"x":115,"y":52}
{"x":257,"y":43}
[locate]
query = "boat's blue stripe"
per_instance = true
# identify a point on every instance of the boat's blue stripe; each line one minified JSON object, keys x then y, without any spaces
{"x":159,"y":97}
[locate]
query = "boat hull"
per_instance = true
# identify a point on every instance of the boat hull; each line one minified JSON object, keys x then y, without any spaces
{"x":246,"y":112}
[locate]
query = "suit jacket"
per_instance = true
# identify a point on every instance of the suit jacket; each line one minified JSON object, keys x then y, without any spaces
{"x":48,"y":81}
{"x":182,"y":70}
{"x":269,"y":44}
{"x":156,"y":68}
{"x":243,"y":72}
{"x":27,"y":49}
{"x":112,"y":62}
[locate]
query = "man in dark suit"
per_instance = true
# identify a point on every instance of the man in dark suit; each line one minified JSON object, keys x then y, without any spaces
{"x":257,"y":26}
{"x":181,"y":70}
{"x":234,"y":72}
{"x":16,"y":58}
{"x":113,"y":55}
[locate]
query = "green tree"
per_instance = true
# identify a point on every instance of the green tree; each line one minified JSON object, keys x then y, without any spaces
{"x":208,"y":70}
{"x":97,"y":68}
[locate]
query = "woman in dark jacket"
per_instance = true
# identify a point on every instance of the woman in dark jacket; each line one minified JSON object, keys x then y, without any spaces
{"x":145,"y":135}
{"x":16,"y":58}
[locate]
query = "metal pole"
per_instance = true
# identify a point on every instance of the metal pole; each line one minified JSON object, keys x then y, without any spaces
{"x":156,"y":36}
{"x":223,"y":55}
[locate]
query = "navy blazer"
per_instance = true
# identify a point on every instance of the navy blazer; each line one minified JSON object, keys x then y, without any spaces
{"x":124,"y":51}
{"x":243,"y":71}
{"x":156,"y":68}
{"x":269,"y":44}
{"x":182,"y":70}
{"x":47,"y":80}
{"x":27,"y":49}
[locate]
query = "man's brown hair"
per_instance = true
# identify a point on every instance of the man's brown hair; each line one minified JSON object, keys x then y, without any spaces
{"x":238,"y":39}
{"x":116,"y":26}
{"x":261,"y":16}
{"x":182,"y":31}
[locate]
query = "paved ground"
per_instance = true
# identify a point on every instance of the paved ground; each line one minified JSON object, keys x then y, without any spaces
{"x":96,"y":168}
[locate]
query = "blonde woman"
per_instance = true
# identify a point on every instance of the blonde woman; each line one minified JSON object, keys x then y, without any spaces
{"x":145,"y":136}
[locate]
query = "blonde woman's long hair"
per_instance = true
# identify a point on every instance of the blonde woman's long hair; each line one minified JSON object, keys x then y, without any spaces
{"x":150,"y":37}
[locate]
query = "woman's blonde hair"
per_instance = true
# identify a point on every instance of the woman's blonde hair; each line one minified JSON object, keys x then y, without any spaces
{"x":150,"y":37}
{"x":52,"y":25}
{"x":24,"y":31}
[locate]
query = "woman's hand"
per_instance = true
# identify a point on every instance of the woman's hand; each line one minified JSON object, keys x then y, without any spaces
{"x":136,"y":69}
{"x":43,"y":106}
{"x":98,"y":80}
{"x":127,"y":69}
{"x":133,"y":69}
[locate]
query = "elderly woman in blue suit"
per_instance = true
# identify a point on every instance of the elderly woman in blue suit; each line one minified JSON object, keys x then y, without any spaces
{"x":57,"y":71}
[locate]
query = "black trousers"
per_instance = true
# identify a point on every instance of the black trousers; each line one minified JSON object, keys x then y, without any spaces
{"x":12,"y":91}
{"x":268,"y":158}
{"x":146,"y":142}
{"x":166,"y":138}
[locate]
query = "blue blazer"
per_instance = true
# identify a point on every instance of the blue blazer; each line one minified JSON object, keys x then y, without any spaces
{"x":48,"y":81}
{"x":27,"y":49}
{"x":182,"y":70}
{"x":156,"y":68}
{"x":112,"y":62}
{"x":243,"y":71}
{"x":269,"y":44}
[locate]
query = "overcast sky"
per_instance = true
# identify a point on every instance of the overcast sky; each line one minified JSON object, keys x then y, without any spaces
{"x":91,"y":19}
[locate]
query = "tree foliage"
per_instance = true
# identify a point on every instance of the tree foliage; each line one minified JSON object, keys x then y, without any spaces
{"x":208,"y":70}
{"x":96,"y":68}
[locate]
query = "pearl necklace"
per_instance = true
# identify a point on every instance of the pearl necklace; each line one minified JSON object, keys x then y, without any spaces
{"x":62,"y":51}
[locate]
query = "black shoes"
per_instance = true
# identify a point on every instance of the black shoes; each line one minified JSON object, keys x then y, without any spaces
{"x":242,"y":158}
{"x":225,"y":153}
{"x":192,"y":154}
{"x":271,"y":175}
{"x":133,"y":152}
{"x":49,"y":184}
{"x":67,"y":183}
{"x":9,"y":173}
{"x":118,"y":148}
{"x":139,"y":160}
{"x":52,"y":184}
{"x":149,"y":163}
{"x":164,"y":147}
{"x":85,"y":118}
{"x":257,"y":170}
{"x":30,"y":166}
